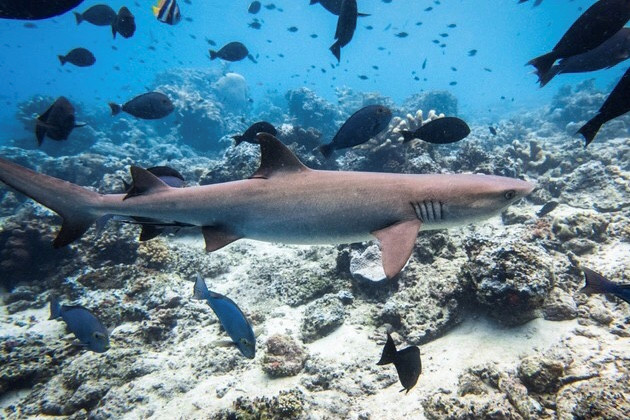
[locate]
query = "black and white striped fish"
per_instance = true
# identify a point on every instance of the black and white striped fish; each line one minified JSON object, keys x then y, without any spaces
{"x":167,"y":11}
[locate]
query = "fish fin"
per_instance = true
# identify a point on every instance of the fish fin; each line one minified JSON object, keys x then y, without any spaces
{"x":326,"y":150}
{"x":224,"y":343}
{"x":79,"y":124}
{"x":114,"y":29}
{"x":55,"y":307}
{"x":213,"y":54}
{"x":389,"y":352}
{"x":276,"y":158}
{"x":101,"y":224}
{"x":543,"y":63}
{"x":596,"y":283}
{"x":590,"y":129}
{"x":545,"y":78}
{"x":144,"y":182}
{"x":363,"y":14}
{"x":238,"y":139}
{"x":407,"y":135}
{"x":71,"y":230}
{"x":217,"y":238}
{"x":397,"y":242}
{"x":40,"y":132}
{"x":156,"y":10}
{"x":200,"y":290}
{"x":314,"y":2}
{"x":115,"y":108}
{"x":336,"y":50}
{"x":79,"y":17}
{"x":62,"y":59}
{"x":149,"y":232}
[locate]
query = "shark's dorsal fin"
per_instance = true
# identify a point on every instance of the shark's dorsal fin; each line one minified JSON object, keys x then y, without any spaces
{"x":397,"y":242}
{"x":144,"y":182}
{"x":276,"y":158}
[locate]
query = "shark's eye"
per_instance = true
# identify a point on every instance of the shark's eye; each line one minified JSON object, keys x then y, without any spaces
{"x":509,"y":194}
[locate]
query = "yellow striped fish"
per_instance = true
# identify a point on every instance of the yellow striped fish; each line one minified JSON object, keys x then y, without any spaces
{"x":167,"y":11}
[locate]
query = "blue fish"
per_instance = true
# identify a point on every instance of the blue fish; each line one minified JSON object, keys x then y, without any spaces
{"x":596,"y":283}
{"x":167,"y":11}
{"x":84,"y":325}
{"x":230,"y":316}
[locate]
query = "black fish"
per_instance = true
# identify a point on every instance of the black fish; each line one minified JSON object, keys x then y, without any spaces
{"x":333,"y":6}
{"x":608,"y":54}
{"x":250,"y":134}
{"x":596,"y":283}
{"x":536,"y":3}
{"x":292,"y":29}
{"x":600,"y":21}
{"x":80,"y":57}
{"x":402,"y":34}
{"x":493,"y":131}
{"x":346,"y":24}
{"x":99,"y":15}
{"x":359,"y":128}
{"x":254,"y":24}
{"x":617,"y":104}
{"x":35,"y":9}
{"x":233,"y":51}
{"x":407,"y":363}
{"x":85,"y":326}
{"x":547,"y":208}
{"x":254,"y":7}
{"x":148,"y":106}
{"x":125,"y":23}
{"x":57,"y":122}
{"x":439,"y":131}
{"x":472,"y":53}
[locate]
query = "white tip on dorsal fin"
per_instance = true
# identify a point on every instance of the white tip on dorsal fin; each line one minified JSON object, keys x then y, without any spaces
{"x":275,"y":158}
{"x":144,"y":182}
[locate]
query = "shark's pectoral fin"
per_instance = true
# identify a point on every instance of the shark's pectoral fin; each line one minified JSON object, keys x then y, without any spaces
{"x":144,"y":182}
{"x":217,"y":238}
{"x":276,"y":158}
{"x":397,"y":242}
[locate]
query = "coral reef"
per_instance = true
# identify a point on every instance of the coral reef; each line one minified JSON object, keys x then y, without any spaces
{"x":321,"y":317}
{"x":283,"y":356}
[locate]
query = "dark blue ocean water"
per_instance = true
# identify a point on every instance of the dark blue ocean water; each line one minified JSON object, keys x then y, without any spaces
{"x":505,"y":34}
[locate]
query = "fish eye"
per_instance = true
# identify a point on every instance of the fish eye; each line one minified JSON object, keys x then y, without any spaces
{"x":98,"y":335}
{"x":509,"y":194}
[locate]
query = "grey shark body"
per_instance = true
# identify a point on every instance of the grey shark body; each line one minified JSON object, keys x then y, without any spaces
{"x":284,"y":201}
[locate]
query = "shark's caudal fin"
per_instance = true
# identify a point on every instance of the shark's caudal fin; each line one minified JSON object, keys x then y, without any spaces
{"x":76,"y":205}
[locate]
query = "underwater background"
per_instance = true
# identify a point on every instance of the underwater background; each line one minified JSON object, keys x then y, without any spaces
{"x":494,"y":307}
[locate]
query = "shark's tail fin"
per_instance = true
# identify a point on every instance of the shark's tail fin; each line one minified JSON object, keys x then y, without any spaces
{"x":76,"y":205}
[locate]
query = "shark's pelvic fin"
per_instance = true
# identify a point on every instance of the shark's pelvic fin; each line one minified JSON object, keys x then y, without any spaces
{"x":397,"y":242}
{"x":276,"y":158}
{"x":217,"y":238}
{"x":144,"y":182}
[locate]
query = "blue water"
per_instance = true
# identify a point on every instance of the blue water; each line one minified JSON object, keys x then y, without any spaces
{"x":505,"y":34}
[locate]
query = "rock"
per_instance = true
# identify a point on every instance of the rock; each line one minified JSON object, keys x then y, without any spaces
{"x":559,"y":306}
{"x":321,"y":317}
{"x":367,"y":266}
{"x":527,"y":407}
{"x":283,"y":356}
{"x":540,"y":374}
{"x":598,"y":398}
{"x":286,"y":405}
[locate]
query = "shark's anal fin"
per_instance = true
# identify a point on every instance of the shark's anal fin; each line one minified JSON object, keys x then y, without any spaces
{"x":275,"y":158}
{"x":144,"y":182}
{"x":397,"y":242}
{"x":217,"y":238}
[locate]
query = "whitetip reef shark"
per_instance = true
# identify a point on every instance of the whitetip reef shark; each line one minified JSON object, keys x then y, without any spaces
{"x":285,"y":201}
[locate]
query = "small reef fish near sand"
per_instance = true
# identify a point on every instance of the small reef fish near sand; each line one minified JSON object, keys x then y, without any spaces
{"x":407,"y":363}
{"x":233,"y":51}
{"x":57,"y":122}
{"x":547,"y":208}
{"x":148,"y":106}
{"x":85,"y":326}
{"x":231,"y":317}
{"x":439,"y":131}
{"x":35,"y":9}
{"x":99,"y":15}
{"x":250,"y":134}
{"x":80,"y":57}
{"x":167,"y":11}
{"x":596,"y":283}
{"x":359,"y":128}
{"x":285,"y":201}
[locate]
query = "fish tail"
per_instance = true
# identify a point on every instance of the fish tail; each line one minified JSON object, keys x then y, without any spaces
{"x":115,"y":108}
{"x":336,"y":50}
{"x":114,"y":28}
{"x":545,"y":78}
{"x":78,"y":206}
{"x":590,"y":129}
{"x":200,"y":290}
{"x":62,"y":59}
{"x":596,"y":283}
{"x":55,"y":308}
{"x":389,"y":352}
{"x":213,"y":54}
{"x":238,"y":140}
{"x":326,"y":150}
{"x":407,"y":135}
{"x":314,"y":2}
{"x":543,"y":63}
{"x":79,"y":17}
